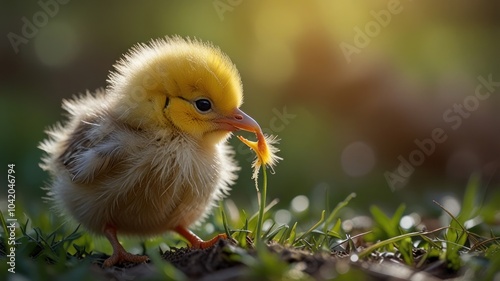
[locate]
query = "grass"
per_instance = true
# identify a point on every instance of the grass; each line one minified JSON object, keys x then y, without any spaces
{"x":262,"y":205}
{"x":465,"y":247}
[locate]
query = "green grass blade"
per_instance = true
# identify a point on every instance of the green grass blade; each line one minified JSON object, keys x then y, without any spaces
{"x":293,"y":232}
{"x":469,"y":202}
{"x":262,"y":203}
{"x":321,"y":220}
{"x":395,"y":239}
{"x":275,"y":232}
{"x":224,"y":221}
{"x":405,"y":247}
{"x":335,"y":211}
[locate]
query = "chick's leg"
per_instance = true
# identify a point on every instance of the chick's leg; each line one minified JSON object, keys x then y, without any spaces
{"x":195,"y":241}
{"x":119,"y":253}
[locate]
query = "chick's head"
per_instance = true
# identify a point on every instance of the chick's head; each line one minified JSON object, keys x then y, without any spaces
{"x":183,"y":85}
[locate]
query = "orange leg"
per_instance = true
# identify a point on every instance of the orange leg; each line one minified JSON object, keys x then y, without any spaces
{"x":195,"y":241}
{"x":119,"y":253}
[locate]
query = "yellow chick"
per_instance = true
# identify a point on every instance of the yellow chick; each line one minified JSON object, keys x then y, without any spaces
{"x":148,"y":154}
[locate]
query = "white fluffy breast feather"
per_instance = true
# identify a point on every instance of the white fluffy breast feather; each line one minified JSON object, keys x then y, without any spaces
{"x":141,"y":182}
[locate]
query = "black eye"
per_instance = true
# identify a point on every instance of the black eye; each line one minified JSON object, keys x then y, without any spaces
{"x":166,"y":102}
{"x":203,"y":105}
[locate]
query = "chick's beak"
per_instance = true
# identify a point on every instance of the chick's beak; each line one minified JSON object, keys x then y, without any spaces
{"x":238,"y":120}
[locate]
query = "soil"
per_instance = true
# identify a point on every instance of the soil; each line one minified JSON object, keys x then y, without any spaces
{"x":223,"y":262}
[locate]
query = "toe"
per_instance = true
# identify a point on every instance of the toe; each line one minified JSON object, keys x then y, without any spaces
{"x":213,"y":241}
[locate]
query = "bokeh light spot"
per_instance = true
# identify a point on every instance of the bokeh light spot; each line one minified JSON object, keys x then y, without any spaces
{"x":267,"y":224}
{"x":300,"y":203}
{"x":451,"y":204}
{"x":407,"y":222}
{"x":209,"y":228}
{"x":282,"y":216}
{"x":358,"y":159}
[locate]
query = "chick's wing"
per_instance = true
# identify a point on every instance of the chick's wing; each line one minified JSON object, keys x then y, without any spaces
{"x":90,"y":153}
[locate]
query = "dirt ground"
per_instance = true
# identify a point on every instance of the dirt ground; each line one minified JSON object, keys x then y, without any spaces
{"x":223,"y":262}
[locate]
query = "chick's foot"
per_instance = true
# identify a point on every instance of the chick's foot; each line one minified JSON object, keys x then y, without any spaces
{"x":195,"y":241}
{"x":119,"y":255}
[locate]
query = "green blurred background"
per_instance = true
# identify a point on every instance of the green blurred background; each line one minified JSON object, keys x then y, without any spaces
{"x":343,"y":119}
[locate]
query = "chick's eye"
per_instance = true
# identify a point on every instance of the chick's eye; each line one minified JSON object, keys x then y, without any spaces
{"x":203,"y":105}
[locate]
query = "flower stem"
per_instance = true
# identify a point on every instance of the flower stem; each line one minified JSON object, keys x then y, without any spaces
{"x":262,"y":206}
